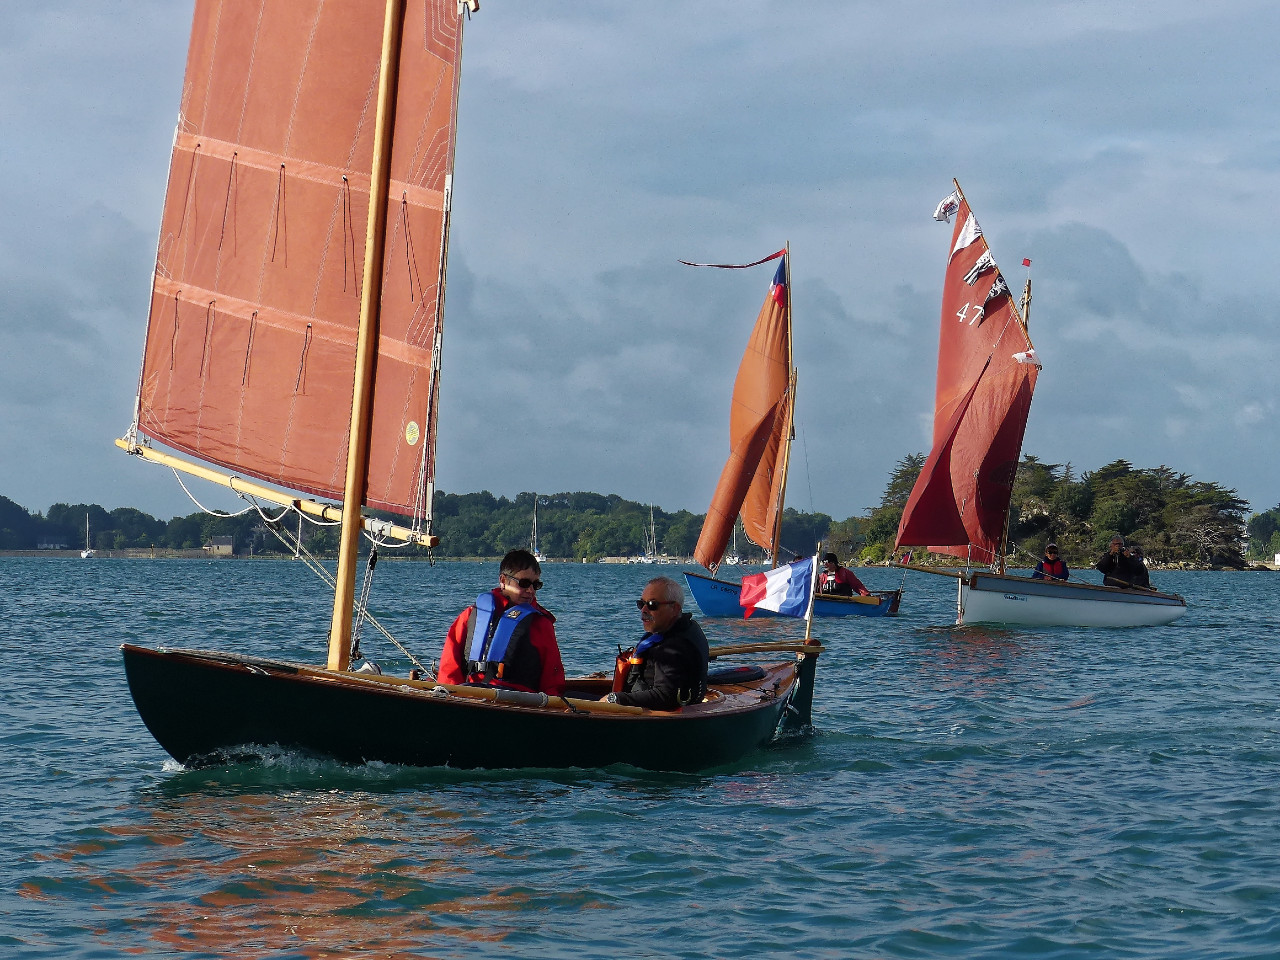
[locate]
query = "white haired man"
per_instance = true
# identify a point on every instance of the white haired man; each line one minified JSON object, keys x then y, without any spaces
{"x":668,"y":667}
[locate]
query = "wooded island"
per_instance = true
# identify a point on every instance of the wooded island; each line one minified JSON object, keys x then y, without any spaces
{"x":1176,"y":519}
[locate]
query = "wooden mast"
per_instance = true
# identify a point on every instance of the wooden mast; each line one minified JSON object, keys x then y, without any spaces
{"x":366,"y":342}
{"x":789,"y":430}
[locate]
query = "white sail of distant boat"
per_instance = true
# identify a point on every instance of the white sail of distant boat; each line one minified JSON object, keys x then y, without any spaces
{"x":533,"y":537}
{"x":87,"y":553}
{"x":733,"y":559}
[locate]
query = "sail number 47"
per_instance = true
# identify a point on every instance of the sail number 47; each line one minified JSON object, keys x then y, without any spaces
{"x":963,"y":314}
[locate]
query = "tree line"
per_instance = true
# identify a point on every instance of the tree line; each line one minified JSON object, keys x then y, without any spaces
{"x":1175,"y":518}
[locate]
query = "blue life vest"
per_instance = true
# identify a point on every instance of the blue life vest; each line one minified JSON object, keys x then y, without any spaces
{"x":491,"y":651}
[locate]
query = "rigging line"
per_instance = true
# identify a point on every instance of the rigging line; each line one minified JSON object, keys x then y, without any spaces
{"x":203,"y":508}
{"x":808,"y":479}
{"x":362,"y":607}
{"x":410,"y":257}
{"x":248,"y":349}
{"x":208,"y":323}
{"x":263,"y":514}
{"x":302,"y":360}
{"x":191,"y":176}
{"x":385,"y":542}
{"x":349,"y":240}
{"x":227,"y":208}
{"x":316,"y":567}
{"x":281,"y":218}
{"x":173,"y":338}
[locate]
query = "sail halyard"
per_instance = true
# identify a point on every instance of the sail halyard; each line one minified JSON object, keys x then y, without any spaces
{"x":987,"y":370}
{"x":753,"y":481}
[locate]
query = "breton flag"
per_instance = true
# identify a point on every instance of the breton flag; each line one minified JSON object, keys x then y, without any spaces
{"x":784,"y":590}
{"x":946,"y":208}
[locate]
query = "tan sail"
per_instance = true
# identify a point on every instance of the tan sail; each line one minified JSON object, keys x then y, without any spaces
{"x":753,"y":480}
{"x":251,"y":342}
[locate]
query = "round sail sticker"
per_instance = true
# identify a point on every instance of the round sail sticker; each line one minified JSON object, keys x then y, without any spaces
{"x":411,"y":433}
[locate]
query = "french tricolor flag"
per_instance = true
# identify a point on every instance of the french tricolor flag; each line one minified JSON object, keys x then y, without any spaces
{"x":784,"y":590}
{"x":778,"y":289}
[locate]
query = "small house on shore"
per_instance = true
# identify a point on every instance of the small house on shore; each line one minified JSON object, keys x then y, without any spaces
{"x":220,"y":546}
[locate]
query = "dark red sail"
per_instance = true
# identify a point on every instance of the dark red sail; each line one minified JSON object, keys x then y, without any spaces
{"x":987,"y":372}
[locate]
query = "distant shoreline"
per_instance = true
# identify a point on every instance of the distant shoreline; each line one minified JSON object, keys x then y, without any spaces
{"x":147,"y":553}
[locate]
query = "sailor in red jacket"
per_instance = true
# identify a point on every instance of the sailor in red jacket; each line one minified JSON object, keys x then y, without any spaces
{"x":506,"y":638}
{"x":836,"y":581}
{"x":1051,"y":567}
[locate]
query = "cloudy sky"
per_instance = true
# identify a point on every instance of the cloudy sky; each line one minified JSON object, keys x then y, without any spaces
{"x":1130,"y":149}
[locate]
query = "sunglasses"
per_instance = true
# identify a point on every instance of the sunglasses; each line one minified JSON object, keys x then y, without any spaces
{"x":524,"y":583}
{"x":652,"y":604}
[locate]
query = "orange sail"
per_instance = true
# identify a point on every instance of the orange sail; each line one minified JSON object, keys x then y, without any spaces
{"x":987,"y":371}
{"x":753,"y":481}
{"x":250,"y":349}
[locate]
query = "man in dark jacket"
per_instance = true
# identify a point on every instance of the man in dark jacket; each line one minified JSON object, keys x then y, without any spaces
{"x":1138,"y":574}
{"x":1115,"y":565}
{"x":668,"y":667}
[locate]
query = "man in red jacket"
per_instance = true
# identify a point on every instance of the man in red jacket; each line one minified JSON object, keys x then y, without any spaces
{"x":838,"y":581}
{"x":506,"y":638}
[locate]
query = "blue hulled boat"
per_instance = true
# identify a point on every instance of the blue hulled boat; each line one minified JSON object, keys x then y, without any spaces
{"x":719,"y":598}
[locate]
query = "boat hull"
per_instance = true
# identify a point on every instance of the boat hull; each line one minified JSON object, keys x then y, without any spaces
{"x":993,"y":598}
{"x":205,"y":708}
{"x":719,"y":598}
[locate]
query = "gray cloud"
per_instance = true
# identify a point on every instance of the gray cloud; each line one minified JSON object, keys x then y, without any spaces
{"x":1126,"y":149}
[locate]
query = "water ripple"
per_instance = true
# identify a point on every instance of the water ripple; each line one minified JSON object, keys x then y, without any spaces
{"x":976,"y":792}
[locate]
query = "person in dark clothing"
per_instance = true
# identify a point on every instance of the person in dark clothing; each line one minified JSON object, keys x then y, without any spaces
{"x":1115,"y":565}
{"x":1138,"y":574}
{"x":668,"y":667}
{"x":1051,"y":567}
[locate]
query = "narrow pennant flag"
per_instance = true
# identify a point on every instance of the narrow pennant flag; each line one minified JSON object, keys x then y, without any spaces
{"x":736,"y":266}
{"x":783,"y":590}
